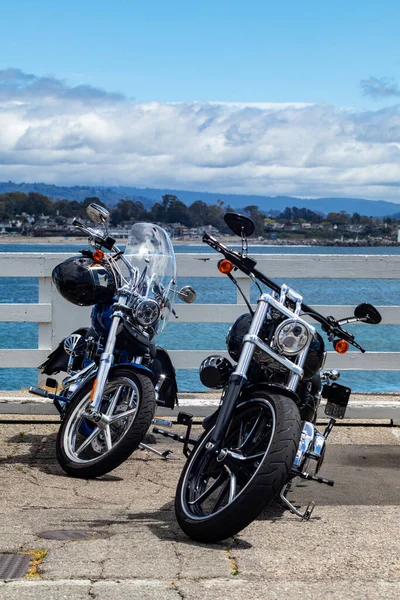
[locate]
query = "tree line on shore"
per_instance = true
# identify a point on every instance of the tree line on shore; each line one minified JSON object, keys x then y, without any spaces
{"x":29,"y":207}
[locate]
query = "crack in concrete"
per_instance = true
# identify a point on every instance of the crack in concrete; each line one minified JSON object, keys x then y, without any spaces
{"x":102,"y":564}
{"x":178,"y":577}
{"x":178,"y":590}
{"x":92,"y":499}
{"x":158,"y":485}
{"x":37,"y":448}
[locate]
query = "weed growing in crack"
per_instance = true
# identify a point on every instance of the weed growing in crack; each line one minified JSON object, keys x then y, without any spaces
{"x":232,"y":561}
{"x":38,"y":557}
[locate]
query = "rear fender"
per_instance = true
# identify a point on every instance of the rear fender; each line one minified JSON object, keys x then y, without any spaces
{"x":161,"y":365}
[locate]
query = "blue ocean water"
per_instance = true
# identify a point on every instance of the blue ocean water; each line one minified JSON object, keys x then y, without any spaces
{"x":193,"y":336}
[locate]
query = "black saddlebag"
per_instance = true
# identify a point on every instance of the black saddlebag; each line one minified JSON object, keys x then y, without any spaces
{"x":58,"y":359}
{"x":161,"y":365}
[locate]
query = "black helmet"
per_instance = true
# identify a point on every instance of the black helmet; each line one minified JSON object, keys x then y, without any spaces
{"x":83,"y":282}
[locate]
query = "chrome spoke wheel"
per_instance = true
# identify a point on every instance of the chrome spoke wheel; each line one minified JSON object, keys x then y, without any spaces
{"x":85,"y":439}
{"x":88,"y":440}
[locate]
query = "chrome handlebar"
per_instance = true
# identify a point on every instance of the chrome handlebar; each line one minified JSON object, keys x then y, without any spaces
{"x":88,"y":230}
{"x":247,"y":265}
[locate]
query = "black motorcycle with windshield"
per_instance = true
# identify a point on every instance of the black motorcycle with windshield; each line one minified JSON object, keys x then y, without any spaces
{"x":116,"y":374}
{"x":263,"y":435}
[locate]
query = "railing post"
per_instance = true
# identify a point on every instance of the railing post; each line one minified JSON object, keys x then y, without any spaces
{"x":45,"y":329}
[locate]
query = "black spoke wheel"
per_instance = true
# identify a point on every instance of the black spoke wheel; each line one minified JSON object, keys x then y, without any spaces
{"x":219,"y":495}
{"x":89,"y":449}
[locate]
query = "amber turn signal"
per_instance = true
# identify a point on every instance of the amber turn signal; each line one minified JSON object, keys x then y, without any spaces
{"x":98,"y":255}
{"x":92,"y":393}
{"x":341,"y":346}
{"x":225,"y":266}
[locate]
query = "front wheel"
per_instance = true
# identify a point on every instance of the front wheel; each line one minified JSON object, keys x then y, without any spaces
{"x":219,"y":495}
{"x":87,"y":449}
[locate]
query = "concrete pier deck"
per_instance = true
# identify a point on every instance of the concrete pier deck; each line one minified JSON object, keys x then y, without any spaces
{"x":350,"y":548}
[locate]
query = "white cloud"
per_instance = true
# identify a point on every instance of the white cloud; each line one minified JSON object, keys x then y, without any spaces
{"x":380,"y":87}
{"x":55,"y":133}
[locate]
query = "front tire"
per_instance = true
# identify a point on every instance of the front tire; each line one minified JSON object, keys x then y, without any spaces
{"x":88,"y":450}
{"x":218,"y":496}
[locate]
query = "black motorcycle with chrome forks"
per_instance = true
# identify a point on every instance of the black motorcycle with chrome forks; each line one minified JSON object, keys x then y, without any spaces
{"x":115,"y":372}
{"x":263,"y":434}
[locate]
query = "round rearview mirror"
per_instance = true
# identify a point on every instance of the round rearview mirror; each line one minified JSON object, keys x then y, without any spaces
{"x":98,"y":214}
{"x":367,"y":313}
{"x":239,"y":224}
{"x":187,"y":294}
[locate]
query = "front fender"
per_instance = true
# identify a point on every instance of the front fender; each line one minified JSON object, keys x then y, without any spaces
{"x":136,"y":368}
{"x":271,"y":388}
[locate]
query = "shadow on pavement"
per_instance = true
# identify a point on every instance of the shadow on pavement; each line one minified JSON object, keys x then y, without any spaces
{"x":163,"y":525}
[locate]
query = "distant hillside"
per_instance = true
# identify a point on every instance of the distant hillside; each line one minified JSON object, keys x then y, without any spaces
{"x":371,"y":208}
{"x":112,"y":194}
{"x":108,"y":195}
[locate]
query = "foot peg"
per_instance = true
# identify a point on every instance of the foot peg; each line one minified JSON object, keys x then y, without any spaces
{"x":39,"y":392}
{"x":162,"y":422}
{"x":59,"y":401}
{"x":173,"y":436}
{"x":316,"y":478}
{"x":183,"y":419}
{"x":303,"y":475}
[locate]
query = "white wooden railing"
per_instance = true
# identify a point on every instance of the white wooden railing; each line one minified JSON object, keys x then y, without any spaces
{"x":57,"y":318}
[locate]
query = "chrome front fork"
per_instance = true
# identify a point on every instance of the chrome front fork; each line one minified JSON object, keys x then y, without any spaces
{"x":106,"y":359}
{"x":251,"y":340}
{"x":239,"y":377}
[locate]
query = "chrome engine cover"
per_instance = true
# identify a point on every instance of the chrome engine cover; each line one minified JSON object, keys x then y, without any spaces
{"x":311,"y":446}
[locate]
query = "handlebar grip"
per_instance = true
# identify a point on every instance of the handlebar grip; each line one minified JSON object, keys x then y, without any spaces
{"x":77,"y":223}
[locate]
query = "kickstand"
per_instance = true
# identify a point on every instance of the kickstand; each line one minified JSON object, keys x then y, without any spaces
{"x":165,"y":455}
{"x":304,"y":516}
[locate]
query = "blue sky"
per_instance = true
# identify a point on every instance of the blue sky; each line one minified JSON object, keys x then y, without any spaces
{"x":172,"y":50}
{"x":272,"y":98}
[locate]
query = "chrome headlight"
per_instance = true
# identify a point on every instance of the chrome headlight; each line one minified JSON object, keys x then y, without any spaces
{"x":291,"y":337}
{"x":147,"y":312}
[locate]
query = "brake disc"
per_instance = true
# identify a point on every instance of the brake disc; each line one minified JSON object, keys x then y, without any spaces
{"x":99,"y":444}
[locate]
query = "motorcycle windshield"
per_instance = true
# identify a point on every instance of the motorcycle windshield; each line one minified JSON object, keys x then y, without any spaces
{"x":150,"y":251}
